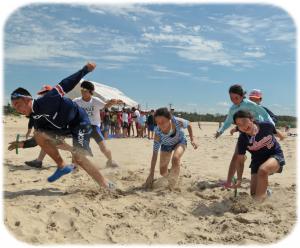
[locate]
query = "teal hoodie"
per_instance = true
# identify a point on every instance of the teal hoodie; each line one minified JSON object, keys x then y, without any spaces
{"x":259,"y":113}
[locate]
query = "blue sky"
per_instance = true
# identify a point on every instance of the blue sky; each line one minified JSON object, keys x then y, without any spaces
{"x":187,"y":55}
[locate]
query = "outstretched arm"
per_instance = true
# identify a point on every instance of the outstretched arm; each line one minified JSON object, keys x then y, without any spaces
{"x":190,"y":130}
{"x":113,"y":102}
{"x":228,"y":121}
{"x":149,"y":182}
{"x":22,"y":144}
{"x":67,"y":84}
{"x":279,"y":135}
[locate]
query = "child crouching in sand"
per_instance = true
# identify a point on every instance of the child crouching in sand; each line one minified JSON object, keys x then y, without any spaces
{"x":169,"y":137}
{"x":266,"y":154}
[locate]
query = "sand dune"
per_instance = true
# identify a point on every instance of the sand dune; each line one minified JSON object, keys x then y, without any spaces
{"x":75,"y":210}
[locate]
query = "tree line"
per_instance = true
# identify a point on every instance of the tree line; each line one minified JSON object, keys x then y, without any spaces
{"x":283,"y":120}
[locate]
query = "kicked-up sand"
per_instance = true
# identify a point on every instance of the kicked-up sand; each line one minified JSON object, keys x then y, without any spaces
{"x":75,"y":210}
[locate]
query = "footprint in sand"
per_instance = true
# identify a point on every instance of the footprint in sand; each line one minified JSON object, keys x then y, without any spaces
{"x":160,"y":183}
{"x":124,"y":233}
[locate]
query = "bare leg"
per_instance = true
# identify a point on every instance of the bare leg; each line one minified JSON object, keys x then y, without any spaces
{"x":105,"y":150}
{"x":253,"y":184}
{"x":88,"y":166}
{"x":233,"y":164}
{"x":105,"y":134}
{"x":132,"y":126}
{"x":267,"y":168}
{"x":41,"y":156}
{"x":48,"y":145}
{"x":165,"y":158}
{"x":174,"y":173}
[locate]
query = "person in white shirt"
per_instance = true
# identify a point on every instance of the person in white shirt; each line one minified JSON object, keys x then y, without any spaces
{"x":92,"y":105}
{"x":125,"y":123}
{"x":136,"y":116}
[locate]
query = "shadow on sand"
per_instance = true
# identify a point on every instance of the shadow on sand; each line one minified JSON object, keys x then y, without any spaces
{"x":36,"y":192}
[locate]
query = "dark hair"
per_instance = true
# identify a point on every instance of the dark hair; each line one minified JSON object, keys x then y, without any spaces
{"x":242,"y":114}
{"x":163,"y":112}
{"x":19,"y":92}
{"x":88,"y":85}
{"x":237,"y":89}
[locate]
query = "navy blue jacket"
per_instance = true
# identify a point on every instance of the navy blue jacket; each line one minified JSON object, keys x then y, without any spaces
{"x":55,"y":112}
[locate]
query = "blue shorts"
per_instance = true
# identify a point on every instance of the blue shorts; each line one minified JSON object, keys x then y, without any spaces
{"x":166,"y":148}
{"x":151,"y":128}
{"x":279,"y":157}
{"x":96,"y":134}
{"x":81,"y":137}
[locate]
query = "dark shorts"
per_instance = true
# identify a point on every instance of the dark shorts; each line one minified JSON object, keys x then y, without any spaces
{"x":106,"y":128}
{"x":151,"y":128}
{"x":81,"y":137}
{"x":280,"y":159}
{"x":125,"y":125}
{"x":165,"y":148}
{"x":96,"y":134}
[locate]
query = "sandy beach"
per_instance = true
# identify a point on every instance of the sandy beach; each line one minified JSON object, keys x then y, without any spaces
{"x":74,"y":210}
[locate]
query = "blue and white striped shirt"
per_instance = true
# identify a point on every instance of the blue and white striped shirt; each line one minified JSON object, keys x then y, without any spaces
{"x":167,"y":139}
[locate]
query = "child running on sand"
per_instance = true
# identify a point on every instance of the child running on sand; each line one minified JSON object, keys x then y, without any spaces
{"x":266,"y":154}
{"x":55,"y":114}
{"x":169,"y":137}
{"x":92,"y":105}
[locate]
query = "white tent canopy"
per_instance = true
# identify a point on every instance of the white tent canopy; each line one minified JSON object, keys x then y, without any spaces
{"x":105,"y":93}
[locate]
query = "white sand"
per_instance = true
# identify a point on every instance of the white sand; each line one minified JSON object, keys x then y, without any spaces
{"x":75,"y":210}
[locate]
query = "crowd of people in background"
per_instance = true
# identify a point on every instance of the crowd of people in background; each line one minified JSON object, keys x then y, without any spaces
{"x":127,"y":122}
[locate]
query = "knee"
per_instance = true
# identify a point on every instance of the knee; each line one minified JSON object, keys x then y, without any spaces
{"x":41,"y":139}
{"x":176,"y":160}
{"x":76,"y":158}
{"x":38,"y":137}
{"x":262,"y":172}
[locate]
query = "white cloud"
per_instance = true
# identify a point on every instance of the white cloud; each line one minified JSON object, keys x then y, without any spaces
{"x":205,"y":79}
{"x":56,"y":41}
{"x":284,"y":37}
{"x":196,"y":28}
{"x":163,"y":69}
{"x":193,"y":47}
{"x":166,"y":29}
{"x":255,"y":54}
{"x":125,"y":10}
{"x":180,"y":25}
{"x":253,"y":29}
{"x":118,"y":58}
{"x":246,"y":24}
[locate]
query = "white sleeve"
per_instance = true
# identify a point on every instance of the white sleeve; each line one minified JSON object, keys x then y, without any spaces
{"x":99,"y":103}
